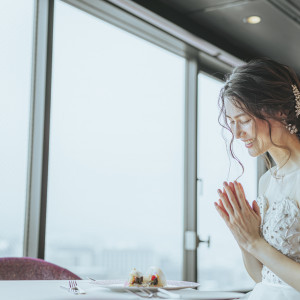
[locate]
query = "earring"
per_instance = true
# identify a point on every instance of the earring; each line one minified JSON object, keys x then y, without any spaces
{"x":291,"y":128}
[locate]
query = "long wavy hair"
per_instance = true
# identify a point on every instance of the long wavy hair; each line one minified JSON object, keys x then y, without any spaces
{"x":261,"y":88}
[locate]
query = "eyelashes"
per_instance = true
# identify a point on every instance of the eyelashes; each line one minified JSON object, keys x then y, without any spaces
{"x":246,"y":122}
{"x":232,"y":122}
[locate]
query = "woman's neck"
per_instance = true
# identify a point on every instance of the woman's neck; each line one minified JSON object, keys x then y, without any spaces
{"x":280,"y":156}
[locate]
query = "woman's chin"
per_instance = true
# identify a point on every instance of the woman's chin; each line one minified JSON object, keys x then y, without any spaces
{"x":254,"y":152}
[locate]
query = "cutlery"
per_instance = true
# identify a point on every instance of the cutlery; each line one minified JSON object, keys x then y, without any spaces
{"x":131,"y":292}
{"x":147,"y":293}
{"x":74,"y":288}
{"x":92,"y":279}
{"x":169,"y":294}
{"x":69,"y":289}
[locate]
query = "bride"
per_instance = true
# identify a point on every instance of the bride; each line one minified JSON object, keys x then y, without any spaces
{"x":260,"y":105}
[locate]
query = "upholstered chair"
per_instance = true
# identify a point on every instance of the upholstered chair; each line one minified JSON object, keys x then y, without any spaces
{"x":26,"y":268}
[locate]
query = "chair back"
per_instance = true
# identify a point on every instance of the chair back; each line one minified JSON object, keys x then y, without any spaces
{"x":27,"y":268}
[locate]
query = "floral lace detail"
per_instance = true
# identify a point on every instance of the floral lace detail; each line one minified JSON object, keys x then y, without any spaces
{"x":280,"y":227}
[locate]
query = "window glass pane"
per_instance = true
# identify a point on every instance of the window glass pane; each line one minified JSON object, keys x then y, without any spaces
{"x":115,"y":189}
{"x":220,"y":267}
{"x":15,"y":75}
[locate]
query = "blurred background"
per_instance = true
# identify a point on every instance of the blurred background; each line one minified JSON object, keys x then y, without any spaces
{"x":111,"y":148}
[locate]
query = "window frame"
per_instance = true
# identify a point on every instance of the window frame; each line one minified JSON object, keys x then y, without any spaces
{"x":38,"y":146}
{"x":133,"y":18}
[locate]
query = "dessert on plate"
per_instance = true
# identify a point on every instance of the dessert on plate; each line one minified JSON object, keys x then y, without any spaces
{"x":135,"y":278}
{"x":154,"y":278}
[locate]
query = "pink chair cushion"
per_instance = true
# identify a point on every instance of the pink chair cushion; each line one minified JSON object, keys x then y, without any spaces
{"x":27,"y":268}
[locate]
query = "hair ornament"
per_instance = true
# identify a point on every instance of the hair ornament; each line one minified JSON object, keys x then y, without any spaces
{"x":293,"y":128}
{"x":297,"y":98}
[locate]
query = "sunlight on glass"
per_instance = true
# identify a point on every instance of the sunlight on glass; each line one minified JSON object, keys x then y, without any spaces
{"x":15,"y":77}
{"x":115,"y":193}
{"x":221,"y":265}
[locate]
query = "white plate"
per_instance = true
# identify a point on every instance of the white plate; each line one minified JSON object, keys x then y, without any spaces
{"x":118,"y":285}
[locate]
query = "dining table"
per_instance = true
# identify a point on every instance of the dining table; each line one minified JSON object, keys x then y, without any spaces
{"x":58,"y":290}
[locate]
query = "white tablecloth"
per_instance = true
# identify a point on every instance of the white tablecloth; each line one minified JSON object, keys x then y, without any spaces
{"x":51,"y":290}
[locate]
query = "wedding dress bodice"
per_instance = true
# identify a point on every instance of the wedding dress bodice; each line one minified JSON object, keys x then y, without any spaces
{"x":280,"y":213}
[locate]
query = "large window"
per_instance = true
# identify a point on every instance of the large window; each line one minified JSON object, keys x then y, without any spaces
{"x":15,"y":77}
{"x":115,"y":193}
{"x":115,"y":187}
{"x":220,"y":267}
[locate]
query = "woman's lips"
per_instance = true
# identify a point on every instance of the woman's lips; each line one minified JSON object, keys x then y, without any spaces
{"x":249,"y":143}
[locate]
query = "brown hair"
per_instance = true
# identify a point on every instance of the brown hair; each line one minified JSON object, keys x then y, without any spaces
{"x":261,"y":88}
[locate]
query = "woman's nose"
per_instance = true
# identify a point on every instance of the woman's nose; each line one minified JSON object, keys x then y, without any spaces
{"x":237,"y":133}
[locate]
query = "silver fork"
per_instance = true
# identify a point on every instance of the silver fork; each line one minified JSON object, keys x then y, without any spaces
{"x":73,"y":287}
{"x":154,"y":294}
{"x":149,"y":293}
{"x":145,"y":295}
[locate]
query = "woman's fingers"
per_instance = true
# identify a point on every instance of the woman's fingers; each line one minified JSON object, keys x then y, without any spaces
{"x":240,"y":195}
{"x":231,"y":197}
{"x":232,"y":188}
{"x":231,"y":185}
{"x":226,"y":196}
{"x":243,"y":222}
{"x":256,"y":208}
{"x":223,"y":213}
{"x":248,"y":204}
{"x":222,"y":207}
{"x":240,"y":185}
{"x":226,"y":202}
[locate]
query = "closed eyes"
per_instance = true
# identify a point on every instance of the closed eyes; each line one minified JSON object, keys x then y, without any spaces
{"x":245,"y":122}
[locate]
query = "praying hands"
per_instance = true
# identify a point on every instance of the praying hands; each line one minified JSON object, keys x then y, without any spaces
{"x":242,"y":219}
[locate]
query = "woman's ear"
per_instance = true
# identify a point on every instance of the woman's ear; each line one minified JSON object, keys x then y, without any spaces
{"x":282,"y":115}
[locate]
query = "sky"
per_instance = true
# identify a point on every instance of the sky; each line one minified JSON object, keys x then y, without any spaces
{"x":15,"y":75}
{"x":116,"y":139}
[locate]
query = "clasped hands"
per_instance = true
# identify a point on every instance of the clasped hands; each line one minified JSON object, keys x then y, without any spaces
{"x":242,"y":219}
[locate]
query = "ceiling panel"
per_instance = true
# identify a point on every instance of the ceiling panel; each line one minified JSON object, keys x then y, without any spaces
{"x":186,"y":6}
{"x":276,"y":36}
{"x":220,"y":22}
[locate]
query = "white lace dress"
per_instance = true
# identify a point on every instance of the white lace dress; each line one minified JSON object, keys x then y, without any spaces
{"x":280,"y":211}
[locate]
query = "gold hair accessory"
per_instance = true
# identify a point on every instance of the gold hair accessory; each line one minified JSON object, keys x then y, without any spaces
{"x":292,"y":128}
{"x":297,"y":98}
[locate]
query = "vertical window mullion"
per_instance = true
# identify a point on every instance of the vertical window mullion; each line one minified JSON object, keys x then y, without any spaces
{"x":190,"y":174}
{"x":35,"y":219}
